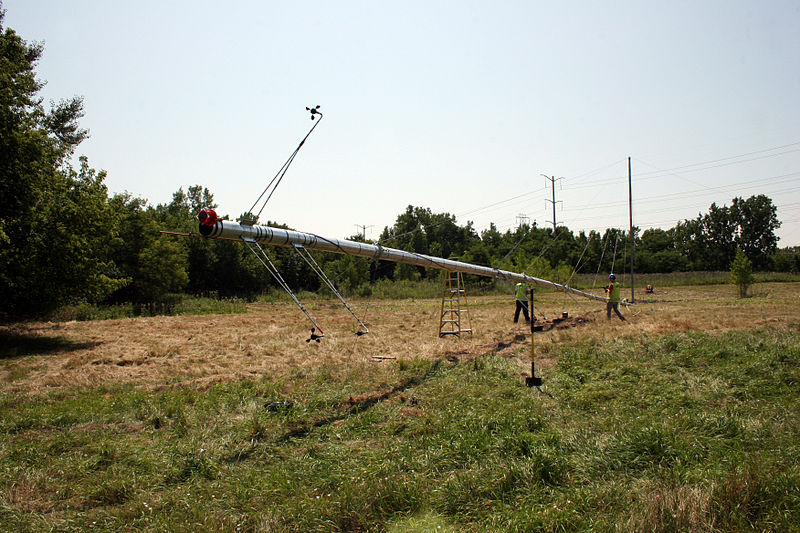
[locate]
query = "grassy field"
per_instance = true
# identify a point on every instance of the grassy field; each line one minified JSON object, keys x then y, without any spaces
{"x":683,"y":418}
{"x":183,"y":304}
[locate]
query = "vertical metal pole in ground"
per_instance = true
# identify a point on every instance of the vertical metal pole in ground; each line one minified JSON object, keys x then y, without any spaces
{"x":532,"y":381}
{"x":630,"y":219}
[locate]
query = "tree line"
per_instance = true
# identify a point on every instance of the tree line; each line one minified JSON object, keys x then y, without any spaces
{"x":64,"y":239}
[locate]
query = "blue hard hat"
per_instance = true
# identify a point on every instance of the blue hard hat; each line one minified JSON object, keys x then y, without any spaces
{"x":612,"y":276}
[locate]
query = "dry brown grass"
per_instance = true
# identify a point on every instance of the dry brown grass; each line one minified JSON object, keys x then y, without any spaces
{"x":673,"y":508}
{"x":270,"y":339}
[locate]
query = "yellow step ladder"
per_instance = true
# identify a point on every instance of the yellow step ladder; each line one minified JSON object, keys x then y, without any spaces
{"x":455,"y":310}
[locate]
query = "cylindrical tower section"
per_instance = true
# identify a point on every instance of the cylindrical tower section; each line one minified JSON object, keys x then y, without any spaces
{"x":226,"y":229}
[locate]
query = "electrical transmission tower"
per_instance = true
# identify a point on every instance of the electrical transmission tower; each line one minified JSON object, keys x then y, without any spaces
{"x":553,"y":180}
{"x":363,"y":230}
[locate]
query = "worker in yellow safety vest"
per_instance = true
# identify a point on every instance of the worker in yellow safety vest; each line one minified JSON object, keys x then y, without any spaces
{"x":522,"y":302}
{"x":613,"y":297}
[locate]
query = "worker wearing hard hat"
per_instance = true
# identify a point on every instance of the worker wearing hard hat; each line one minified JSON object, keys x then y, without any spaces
{"x":522,"y":302}
{"x":613,"y":297}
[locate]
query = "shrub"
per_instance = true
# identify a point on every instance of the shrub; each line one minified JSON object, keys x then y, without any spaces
{"x":741,"y":273}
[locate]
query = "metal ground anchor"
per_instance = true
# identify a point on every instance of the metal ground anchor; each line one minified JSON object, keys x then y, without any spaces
{"x":533,"y":381}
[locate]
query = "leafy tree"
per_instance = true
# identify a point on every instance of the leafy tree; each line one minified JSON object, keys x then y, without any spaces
{"x":614,"y":244}
{"x":539,"y":267}
{"x":56,"y":223}
{"x":236,"y":271}
{"x":710,"y":241}
{"x":349,"y":273}
{"x":719,"y":227}
{"x":757,"y":219}
{"x":690,"y":242}
{"x":419,"y":230}
{"x":492,"y":239}
{"x":656,"y":252}
{"x":165,"y":272}
{"x":741,"y":273}
{"x":138,"y":231}
{"x":179,"y":215}
{"x":656,"y":240}
{"x":477,"y":254}
{"x":786,"y":260}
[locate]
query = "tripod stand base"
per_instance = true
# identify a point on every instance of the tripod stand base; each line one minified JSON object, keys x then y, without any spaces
{"x":533,"y":381}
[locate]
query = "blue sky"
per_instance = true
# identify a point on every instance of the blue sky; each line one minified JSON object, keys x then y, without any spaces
{"x":455,"y":106}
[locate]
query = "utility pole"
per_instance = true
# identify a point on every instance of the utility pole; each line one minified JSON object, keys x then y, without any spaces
{"x":363,"y":230}
{"x":522,"y":218}
{"x":553,"y":180}
{"x":630,"y":220}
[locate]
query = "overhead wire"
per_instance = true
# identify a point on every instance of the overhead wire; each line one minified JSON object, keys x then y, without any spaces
{"x":661,"y":172}
{"x":781,"y":178}
{"x":702,"y":164}
{"x":276,"y":180}
{"x":263,"y":257}
{"x":600,"y":263}
{"x":577,"y":265}
{"x":312,"y":263}
{"x":587,"y":174}
{"x":614,"y":257}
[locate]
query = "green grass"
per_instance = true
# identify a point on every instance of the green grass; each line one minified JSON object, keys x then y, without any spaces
{"x":176,"y":304}
{"x":677,"y":279}
{"x":687,"y":432}
{"x":179,"y":304}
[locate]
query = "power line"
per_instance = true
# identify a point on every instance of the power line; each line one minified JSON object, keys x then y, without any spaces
{"x":553,"y":180}
{"x":727,"y":161}
{"x":656,"y":173}
{"x":774,"y":180}
{"x":587,"y":174}
{"x":682,"y":167}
